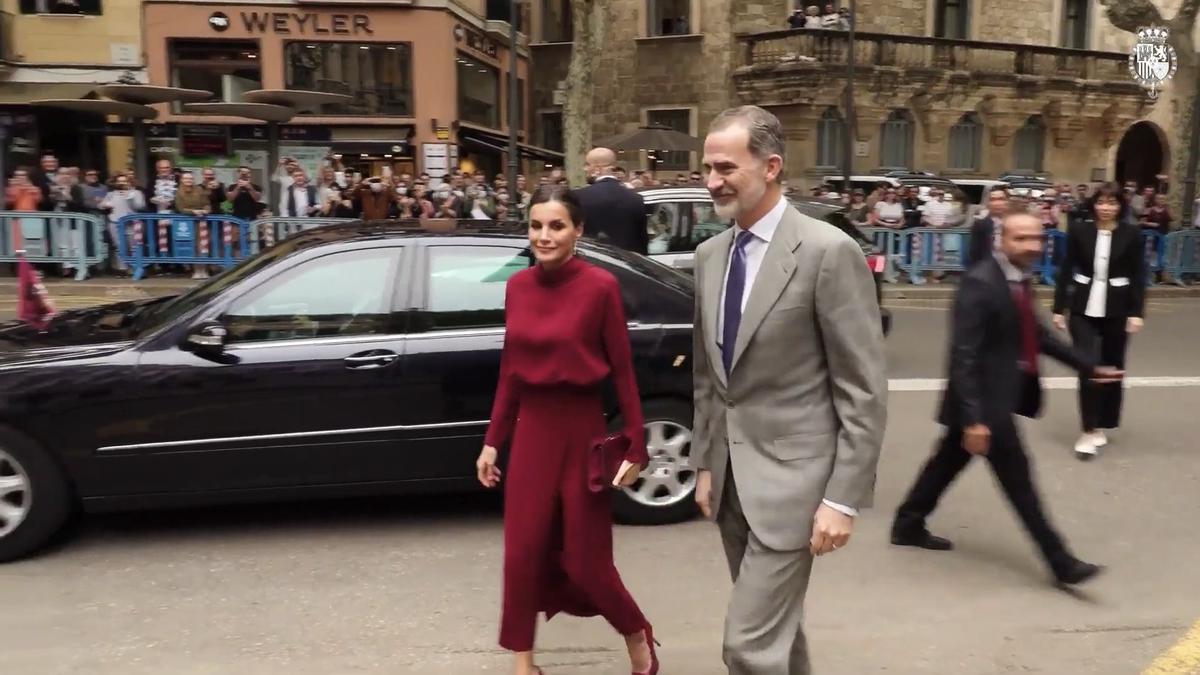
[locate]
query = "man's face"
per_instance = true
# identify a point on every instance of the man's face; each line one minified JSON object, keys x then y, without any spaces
{"x":49,"y":163}
{"x":1021,"y":240}
{"x":187,"y":180}
{"x":122,"y":183}
{"x":21,"y":178}
{"x":92,"y":178}
{"x":163,"y":168}
{"x":299,"y":179}
{"x":737,"y":180}
{"x":521,"y":182}
{"x":244,"y":174}
{"x":997,"y":203}
{"x":209,"y":177}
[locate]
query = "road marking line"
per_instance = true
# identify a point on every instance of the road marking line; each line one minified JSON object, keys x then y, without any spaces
{"x":1181,"y":659}
{"x":1054,"y":383}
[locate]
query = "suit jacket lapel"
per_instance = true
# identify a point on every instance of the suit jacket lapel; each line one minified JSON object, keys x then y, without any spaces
{"x":778,"y":266}
{"x":714,"y":279}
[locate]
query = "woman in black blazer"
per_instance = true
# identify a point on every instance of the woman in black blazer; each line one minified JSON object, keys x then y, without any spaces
{"x":1104,"y":270}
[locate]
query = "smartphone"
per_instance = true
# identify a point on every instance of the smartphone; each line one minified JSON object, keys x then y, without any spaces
{"x":340,"y":177}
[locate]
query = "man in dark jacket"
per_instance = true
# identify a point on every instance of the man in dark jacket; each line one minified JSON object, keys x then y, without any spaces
{"x":993,"y":377}
{"x":612,"y":213}
{"x":985,"y":231}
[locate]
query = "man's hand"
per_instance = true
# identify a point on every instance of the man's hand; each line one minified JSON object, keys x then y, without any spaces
{"x":1060,"y":321}
{"x":831,"y":530}
{"x":1133,"y":324}
{"x":704,"y":492}
{"x":1107,"y":374}
{"x":976,"y":439}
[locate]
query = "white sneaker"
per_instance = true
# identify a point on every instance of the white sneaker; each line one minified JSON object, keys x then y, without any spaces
{"x":1085,"y":447}
{"x":1099,"y":439}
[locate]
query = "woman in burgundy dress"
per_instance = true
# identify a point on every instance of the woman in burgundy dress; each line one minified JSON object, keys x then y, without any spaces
{"x":565,"y":335}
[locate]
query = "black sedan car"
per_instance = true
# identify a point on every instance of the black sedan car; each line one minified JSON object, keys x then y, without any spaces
{"x":347,"y":360}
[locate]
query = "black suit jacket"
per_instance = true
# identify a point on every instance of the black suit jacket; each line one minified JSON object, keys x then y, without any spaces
{"x":1126,"y":262}
{"x":615,"y":214}
{"x":986,"y":385}
{"x":982,"y":242}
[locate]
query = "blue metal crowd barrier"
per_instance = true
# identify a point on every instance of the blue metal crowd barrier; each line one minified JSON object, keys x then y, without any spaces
{"x":145,"y":239}
{"x":74,"y":240}
{"x":922,"y":250}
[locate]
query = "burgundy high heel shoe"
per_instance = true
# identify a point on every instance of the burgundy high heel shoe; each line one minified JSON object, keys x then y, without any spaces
{"x":649,"y":632}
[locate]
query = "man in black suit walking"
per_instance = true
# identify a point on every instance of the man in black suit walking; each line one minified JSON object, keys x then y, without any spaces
{"x":612,"y":212}
{"x":993,"y":376}
{"x":985,"y":230}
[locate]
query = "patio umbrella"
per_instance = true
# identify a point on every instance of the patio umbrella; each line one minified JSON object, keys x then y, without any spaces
{"x":653,"y":138}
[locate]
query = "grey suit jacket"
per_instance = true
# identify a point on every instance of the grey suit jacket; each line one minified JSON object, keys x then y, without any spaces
{"x":801,"y":416}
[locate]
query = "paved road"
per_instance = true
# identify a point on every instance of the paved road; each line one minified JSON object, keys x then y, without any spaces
{"x":411,"y":585}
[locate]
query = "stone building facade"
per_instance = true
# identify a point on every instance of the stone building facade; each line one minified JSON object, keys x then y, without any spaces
{"x":963,"y":88}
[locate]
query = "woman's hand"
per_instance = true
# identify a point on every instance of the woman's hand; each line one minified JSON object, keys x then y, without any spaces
{"x":1134,"y":324}
{"x":1060,"y":321}
{"x":485,"y":467}
{"x":631,"y":475}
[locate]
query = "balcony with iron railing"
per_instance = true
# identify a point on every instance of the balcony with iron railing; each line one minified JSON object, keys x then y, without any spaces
{"x":779,"y":53}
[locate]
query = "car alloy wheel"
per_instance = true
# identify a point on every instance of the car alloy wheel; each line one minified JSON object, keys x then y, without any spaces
{"x":15,"y":494}
{"x":669,"y":478}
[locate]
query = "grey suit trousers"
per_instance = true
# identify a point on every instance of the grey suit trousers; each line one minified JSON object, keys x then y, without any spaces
{"x":764,"y":633}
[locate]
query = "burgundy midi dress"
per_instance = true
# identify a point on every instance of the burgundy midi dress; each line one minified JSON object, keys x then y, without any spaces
{"x":565,"y":334}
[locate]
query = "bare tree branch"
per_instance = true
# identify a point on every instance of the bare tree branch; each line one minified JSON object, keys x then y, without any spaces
{"x":1133,"y":15}
{"x":1185,"y":18}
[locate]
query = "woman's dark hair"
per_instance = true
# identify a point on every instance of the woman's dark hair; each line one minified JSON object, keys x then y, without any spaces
{"x":1105,"y":191}
{"x":563,"y":195}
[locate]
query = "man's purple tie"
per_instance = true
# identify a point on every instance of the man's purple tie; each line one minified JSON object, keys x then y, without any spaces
{"x":735,"y":287}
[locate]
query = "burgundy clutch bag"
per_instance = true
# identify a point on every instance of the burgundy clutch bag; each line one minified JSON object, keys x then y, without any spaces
{"x":604,"y":459}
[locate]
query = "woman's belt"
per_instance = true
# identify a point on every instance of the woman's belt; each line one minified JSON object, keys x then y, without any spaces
{"x":1114,"y":282}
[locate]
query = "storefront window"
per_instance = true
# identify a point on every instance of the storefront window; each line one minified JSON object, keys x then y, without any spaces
{"x":478,"y":92}
{"x":226,"y":68}
{"x":377,"y":76}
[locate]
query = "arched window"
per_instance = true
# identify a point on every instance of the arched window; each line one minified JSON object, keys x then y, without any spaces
{"x":896,"y":141}
{"x":831,"y":129}
{"x":965,"y":142}
{"x":1029,"y":145}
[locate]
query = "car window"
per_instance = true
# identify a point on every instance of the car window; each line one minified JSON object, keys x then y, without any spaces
{"x":663,"y":225}
{"x":464,"y":286}
{"x":341,"y":294}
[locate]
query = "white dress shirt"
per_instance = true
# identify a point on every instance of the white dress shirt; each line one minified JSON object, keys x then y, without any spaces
{"x":1098,"y":296}
{"x":300,"y":200}
{"x":756,"y":250}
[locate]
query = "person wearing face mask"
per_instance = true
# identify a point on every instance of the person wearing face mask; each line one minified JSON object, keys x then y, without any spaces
{"x":565,"y":336}
{"x":1103,"y":272}
{"x":375,"y":199}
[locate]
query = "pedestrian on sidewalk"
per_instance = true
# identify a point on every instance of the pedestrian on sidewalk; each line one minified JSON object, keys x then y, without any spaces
{"x":994,"y":376}
{"x":790,"y":391}
{"x":1103,"y":271}
{"x":565,"y":335}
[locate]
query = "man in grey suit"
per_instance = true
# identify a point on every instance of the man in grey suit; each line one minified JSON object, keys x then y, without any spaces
{"x":790,"y":392}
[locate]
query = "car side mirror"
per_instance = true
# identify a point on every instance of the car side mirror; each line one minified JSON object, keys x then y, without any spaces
{"x":207,"y":338}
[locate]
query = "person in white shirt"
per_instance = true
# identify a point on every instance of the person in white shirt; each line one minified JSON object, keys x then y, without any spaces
{"x":1103,"y":270}
{"x":301,"y":200}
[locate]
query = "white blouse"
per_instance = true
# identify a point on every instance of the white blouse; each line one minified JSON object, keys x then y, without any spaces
{"x":1098,"y":296}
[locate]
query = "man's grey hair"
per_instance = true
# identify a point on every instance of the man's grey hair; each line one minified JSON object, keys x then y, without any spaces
{"x":766,"y":132}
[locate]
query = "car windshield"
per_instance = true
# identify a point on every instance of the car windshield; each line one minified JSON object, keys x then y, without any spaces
{"x":158,"y":315}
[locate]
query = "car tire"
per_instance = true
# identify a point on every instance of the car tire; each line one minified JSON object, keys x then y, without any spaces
{"x":34,"y":495}
{"x":671,"y":499}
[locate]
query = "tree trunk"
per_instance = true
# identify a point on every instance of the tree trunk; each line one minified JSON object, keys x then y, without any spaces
{"x":1133,"y":15}
{"x":589,"y":18}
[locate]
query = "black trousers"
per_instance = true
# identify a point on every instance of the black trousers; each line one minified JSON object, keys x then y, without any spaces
{"x":1014,"y":473}
{"x":1105,"y":340}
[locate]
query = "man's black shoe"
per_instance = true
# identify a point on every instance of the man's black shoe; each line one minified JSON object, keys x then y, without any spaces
{"x":922,"y":540}
{"x":1076,"y":571}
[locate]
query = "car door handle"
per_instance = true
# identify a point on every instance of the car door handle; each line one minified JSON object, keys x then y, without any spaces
{"x":376,"y":358}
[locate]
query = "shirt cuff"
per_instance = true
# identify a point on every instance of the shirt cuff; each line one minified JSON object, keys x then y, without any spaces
{"x":852,"y":512}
